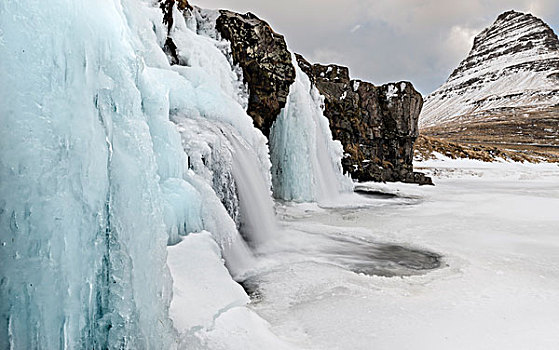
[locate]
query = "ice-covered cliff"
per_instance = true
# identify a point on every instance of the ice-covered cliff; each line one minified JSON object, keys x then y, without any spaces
{"x":514,"y":64}
{"x":124,"y":129}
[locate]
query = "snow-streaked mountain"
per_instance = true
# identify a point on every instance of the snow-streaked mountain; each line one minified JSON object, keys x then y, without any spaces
{"x":513,"y":63}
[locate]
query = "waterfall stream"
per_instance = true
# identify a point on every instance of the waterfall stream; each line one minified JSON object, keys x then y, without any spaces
{"x":258,"y":221}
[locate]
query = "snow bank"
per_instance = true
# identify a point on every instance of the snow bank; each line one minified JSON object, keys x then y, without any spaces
{"x":208,"y":308}
{"x":201,"y":283}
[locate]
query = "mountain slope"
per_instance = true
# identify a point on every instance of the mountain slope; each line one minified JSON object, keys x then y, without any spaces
{"x":510,"y":77}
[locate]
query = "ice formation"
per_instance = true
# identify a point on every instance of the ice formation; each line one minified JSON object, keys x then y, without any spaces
{"x":83,"y":250}
{"x":306,"y":162}
{"x":109,"y":153}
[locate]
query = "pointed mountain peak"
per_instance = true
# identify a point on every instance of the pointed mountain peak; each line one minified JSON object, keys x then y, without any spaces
{"x":507,"y":15}
{"x":513,"y":35}
{"x":512,"y":63}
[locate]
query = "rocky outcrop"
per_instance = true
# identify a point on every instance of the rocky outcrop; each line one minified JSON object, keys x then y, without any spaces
{"x":377,"y":125}
{"x":266,"y":63}
{"x":514,"y":63}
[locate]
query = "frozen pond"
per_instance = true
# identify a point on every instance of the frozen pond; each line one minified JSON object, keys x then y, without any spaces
{"x":472,"y":263}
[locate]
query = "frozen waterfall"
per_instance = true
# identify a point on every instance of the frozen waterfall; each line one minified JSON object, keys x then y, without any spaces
{"x":306,"y":162}
{"x":109,"y":153}
{"x":83,"y":250}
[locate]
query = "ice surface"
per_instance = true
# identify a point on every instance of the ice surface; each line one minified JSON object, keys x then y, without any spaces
{"x":204,"y":22}
{"x":495,"y":225}
{"x":306,"y":162}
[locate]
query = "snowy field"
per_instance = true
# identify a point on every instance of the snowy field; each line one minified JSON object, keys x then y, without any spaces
{"x":496,"y":226}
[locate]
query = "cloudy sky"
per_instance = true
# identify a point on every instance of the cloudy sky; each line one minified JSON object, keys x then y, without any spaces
{"x":386,"y":40}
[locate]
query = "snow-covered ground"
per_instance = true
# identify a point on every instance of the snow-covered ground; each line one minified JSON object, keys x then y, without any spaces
{"x":496,"y":226}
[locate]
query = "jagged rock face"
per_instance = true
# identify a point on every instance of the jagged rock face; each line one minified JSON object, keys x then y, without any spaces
{"x":376,"y":125}
{"x":266,"y":63}
{"x":513,"y":63}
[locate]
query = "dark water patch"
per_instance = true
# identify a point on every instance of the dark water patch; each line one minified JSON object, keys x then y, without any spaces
{"x":250,"y":285}
{"x":394,"y":198}
{"x":381,"y":259}
{"x":394,"y":260}
{"x":354,"y":254}
{"x":375,"y":193}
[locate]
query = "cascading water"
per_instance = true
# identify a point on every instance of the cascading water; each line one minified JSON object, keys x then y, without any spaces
{"x":221,"y":157}
{"x":258,"y":221}
{"x":327,"y":161}
{"x":212,"y":160}
{"x":233,"y":154}
{"x":306,"y":162}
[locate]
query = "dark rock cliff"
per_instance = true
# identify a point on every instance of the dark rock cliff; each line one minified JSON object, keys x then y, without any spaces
{"x":377,"y":125}
{"x":266,"y":63}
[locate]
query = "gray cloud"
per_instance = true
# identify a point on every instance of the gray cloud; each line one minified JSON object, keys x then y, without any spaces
{"x":386,"y":40}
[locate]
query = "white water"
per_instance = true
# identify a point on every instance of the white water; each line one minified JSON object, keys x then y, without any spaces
{"x":258,"y":221}
{"x":327,"y":168}
{"x":236,"y":194}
